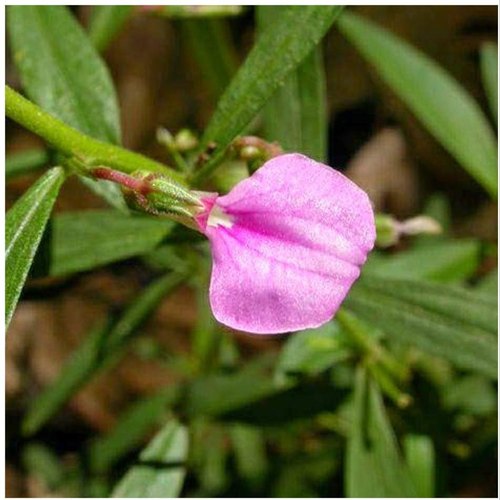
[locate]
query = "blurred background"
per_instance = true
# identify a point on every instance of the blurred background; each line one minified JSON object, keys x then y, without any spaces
{"x":372,"y":137}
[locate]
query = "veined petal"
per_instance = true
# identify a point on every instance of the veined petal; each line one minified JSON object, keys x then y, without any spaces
{"x":299,"y":232}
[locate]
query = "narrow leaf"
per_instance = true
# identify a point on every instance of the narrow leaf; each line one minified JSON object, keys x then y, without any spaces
{"x":489,"y":285}
{"x":419,"y":452}
{"x":446,"y":261}
{"x":24,"y":226}
{"x":374,"y":467}
{"x":439,"y":101}
{"x":102,"y":347}
{"x":278,"y":51}
{"x":311,"y":351}
{"x":446,"y":321}
{"x":105,"y":23}
{"x":62,"y":72}
{"x":41,"y":462}
{"x":312,"y":92}
{"x":25,"y":162}
{"x":210,"y":43}
{"x":489,"y":71}
{"x":161,"y":468}
{"x":250,"y":453}
{"x":80,"y":241}
{"x":134,"y":424}
{"x":295,"y":116}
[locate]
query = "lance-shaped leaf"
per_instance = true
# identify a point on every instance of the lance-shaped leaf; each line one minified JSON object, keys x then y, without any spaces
{"x":161,"y":468}
{"x":278,"y":51}
{"x":105,"y":23}
{"x":24,"y":226}
{"x":489,"y":71}
{"x":296,"y":115}
{"x":62,"y":72}
{"x":437,"y":99}
{"x":80,"y":241}
{"x":447,"y":321}
{"x":134,"y":423}
{"x":374,"y":467}
{"x":210,"y":43}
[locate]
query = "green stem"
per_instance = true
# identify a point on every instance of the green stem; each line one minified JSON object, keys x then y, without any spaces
{"x":91,"y":152}
{"x":388,"y":386}
{"x":369,"y":345}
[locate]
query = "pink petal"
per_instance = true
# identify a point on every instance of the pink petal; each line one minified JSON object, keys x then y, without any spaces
{"x":299,"y":233}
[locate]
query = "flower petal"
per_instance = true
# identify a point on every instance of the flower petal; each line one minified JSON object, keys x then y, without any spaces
{"x":300,"y":233}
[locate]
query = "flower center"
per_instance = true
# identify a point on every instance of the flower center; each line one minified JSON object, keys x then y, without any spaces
{"x":218,"y":217}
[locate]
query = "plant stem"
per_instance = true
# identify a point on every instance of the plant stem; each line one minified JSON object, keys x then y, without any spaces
{"x":91,"y":152}
{"x":369,"y":345}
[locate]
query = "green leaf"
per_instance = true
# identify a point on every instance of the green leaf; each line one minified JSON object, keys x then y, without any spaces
{"x":278,"y":51}
{"x":419,"y":452}
{"x":101,"y":349}
{"x":489,"y":72}
{"x":447,"y":321}
{"x":25,"y":162}
{"x":374,"y":467}
{"x":210,"y":43}
{"x":312,"y":351}
{"x":470,"y":394}
{"x":24,"y":226}
{"x":41,"y":462}
{"x":215,"y":395}
{"x":133,"y":425}
{"x":161,"y":468}
{"x":250,"y":396}
{"x":105,"y":23}
{"x":80,"y":241}
{"x":62,"y":72}
{"x":311,"y":80}
{"x":445,"y":261}
{"x":283,"y":406}
{"x":439,"y":101}
{"x":489,"y":285}
{"x":250,"y":453}
{"x":295,"y":116}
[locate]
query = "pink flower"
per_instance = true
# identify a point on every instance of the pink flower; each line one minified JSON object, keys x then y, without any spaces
{"x":287,"y":244}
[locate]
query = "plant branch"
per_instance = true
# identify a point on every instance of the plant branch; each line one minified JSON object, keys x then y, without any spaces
{"x":91,"y":152}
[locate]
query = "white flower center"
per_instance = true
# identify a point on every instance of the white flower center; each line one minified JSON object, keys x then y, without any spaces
{"x":218,"y":217}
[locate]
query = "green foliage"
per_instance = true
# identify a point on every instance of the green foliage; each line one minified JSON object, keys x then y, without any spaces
{"x":80,"y":241}
{"x":446,"y":261}
{"x":130,"y":430}
{"x":374,"y":467}
{"x":295,"y":116}
{"x":61,"y":71}
{"x":489,"y":70}
{"x":161,"y":470}
{"x":250,"y":452}
{"x":310,"y":352}
{"x":24,"y":226}
{"x":438,"y":100}
{"x":419,"y":453}
{"x":281,"y":416}
{"x":210,"y":43}
{"x":101,"y":348}
{"x":25,"y":162}
{"x":105,"y":23}
{"x":40,"y":461}
{"x":278,"y":51}
{"x":446,"y":321}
